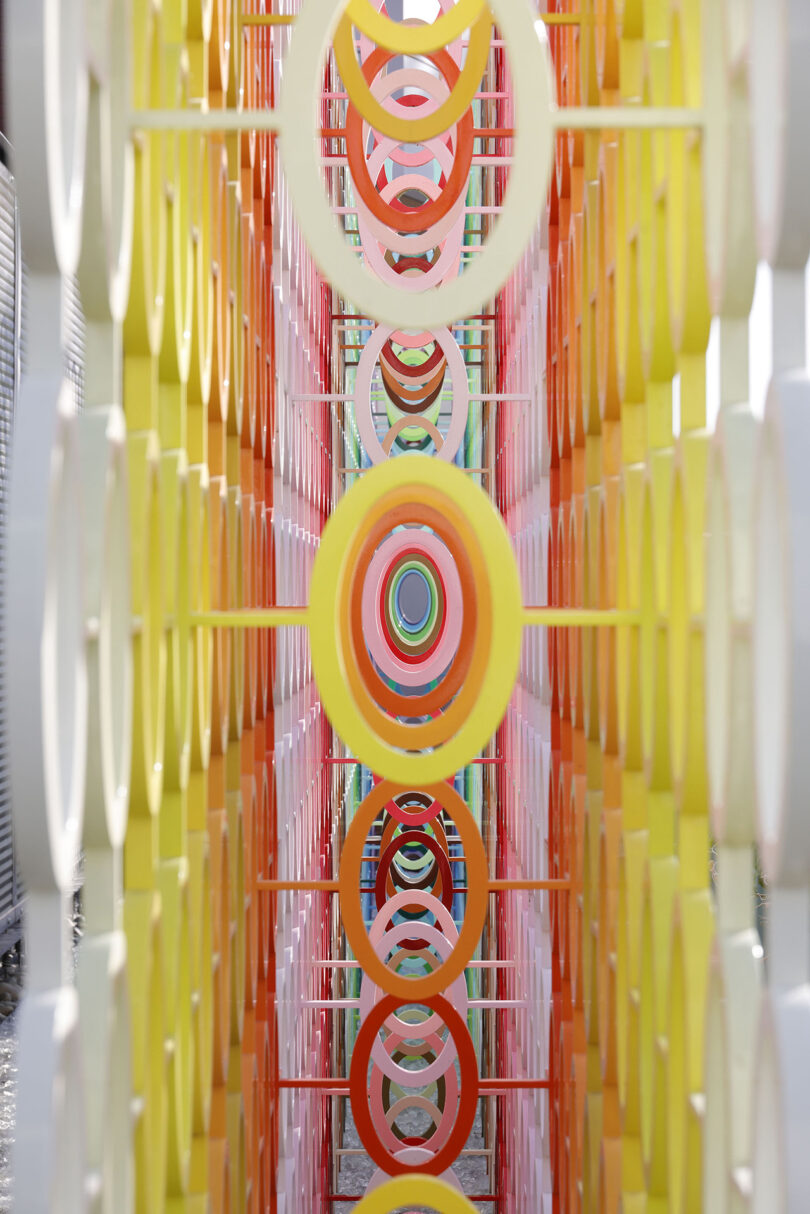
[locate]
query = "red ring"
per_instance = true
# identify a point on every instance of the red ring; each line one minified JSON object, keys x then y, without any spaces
{"x":385,"y":864}
{"x":406,"y":818}
{"x":467,"y":1099}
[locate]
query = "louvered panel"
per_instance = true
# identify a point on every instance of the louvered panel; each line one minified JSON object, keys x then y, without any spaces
{"x":10,"y":302}
{"x":73,"y":339}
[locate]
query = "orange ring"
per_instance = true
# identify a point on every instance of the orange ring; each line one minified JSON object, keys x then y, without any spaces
{"x":351,"y":905}
{"x":417,"y":399}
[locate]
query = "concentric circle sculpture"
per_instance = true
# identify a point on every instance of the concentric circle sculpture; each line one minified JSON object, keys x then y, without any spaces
{"x":404,"y":598}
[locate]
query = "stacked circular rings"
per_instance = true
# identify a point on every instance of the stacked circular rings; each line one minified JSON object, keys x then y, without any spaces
{"x":441,"y":95}
{"x":451,"y":1133}
{"x":382,"y":797}
{"x":414,"y":409}
{"x":412,"y":247}
{"x":456,"y":540}
{"x":414,"y":1053}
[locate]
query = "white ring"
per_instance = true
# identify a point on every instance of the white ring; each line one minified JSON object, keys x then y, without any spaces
{"x":729,"y":595}
{"x":781,"y":612}
{"x":101,"y":979}
{"x":48,"y":1154}
{"x":47,"y":93}
{"x":45,"y":663}
{"x":780,"y":118}
{"x":781,"y":1107}
{"x":109,"y":198}
{"x":102,"y":442}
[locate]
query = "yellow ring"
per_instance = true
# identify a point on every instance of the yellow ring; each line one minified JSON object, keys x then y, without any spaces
{"x":414,"y":1187}
{"x":330,"y":576}
{"x":414,"y":39}
{"x":413,"y":130}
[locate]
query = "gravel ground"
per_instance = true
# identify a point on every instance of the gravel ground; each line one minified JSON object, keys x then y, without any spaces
{"x":10,"y":991}
{"x":356,"y":1170}
{"x":8,"y":1099}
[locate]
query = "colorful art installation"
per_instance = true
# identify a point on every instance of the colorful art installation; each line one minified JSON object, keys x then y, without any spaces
{"x":408,"y":669}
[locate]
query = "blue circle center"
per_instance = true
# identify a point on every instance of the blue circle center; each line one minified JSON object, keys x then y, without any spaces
{"x":413,"y":600}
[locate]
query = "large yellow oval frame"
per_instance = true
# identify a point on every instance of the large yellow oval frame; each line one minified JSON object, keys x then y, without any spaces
{"x":405,"y":1190}
{"x":330,"y":647}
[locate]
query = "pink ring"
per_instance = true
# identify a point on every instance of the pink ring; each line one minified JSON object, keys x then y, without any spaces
{"x":362,"y":392}
{"x":407,"y":674}
{"x":443,"y":1121}
{"x":381,"y":1055}
{"x":370,"y":993}
{"x":413,"y":341}
{"x":409,"y":244}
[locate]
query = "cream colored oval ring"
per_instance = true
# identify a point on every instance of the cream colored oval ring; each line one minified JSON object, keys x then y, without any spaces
{"x":445,"y":450}
{"x":48,"y":1154}
{"x":45,"y":629}
{"x":781,"y":658}
{"x":47,"y":91}
{"x":105,"y":1029}
{"x":530,"y":173}
{"x":102,"y":446}
{"x":780,"y":104}
{"x":781,"y":1106}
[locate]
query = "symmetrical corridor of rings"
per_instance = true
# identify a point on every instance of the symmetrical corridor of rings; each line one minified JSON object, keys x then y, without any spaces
{"x":404,"y":605}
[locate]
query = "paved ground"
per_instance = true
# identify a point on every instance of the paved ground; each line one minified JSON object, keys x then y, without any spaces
{"x":471,"y":1170}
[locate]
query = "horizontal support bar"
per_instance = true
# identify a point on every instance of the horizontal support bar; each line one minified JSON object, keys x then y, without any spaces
{"x":495,"y":1086}
{"x":541,"y":617}
{"x":498,"y":886}
{"x":206,"y":122}
{"x":553,"y":883}
{"x":259,"y":617}
{"x":627,"y":118}
{"x":353,"y":762}
{"x":485,"y":1086}
{"x":267,"y":19}
{"x":570,"y":118}
{"x":340,"y":1005}
{"x":349,"y":964}
{"x":329,"y":887}
{"x":575,"y":617}
{"x":341,"y":1198}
